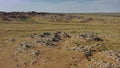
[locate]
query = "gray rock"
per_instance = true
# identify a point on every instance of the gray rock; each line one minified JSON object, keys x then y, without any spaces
{"x":36,"y":53}
{"x":61,"y":34}
{"x":56,"y":39}
{"x":88,"y":54}
{"x":25,"y":45}
{"x":90,"y":36}
{"x":45,"y":34}
{"x":83,"y":48}
{"x":50,"y":44}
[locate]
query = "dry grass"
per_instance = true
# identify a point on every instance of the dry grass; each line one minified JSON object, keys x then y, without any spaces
{"x":109,"y":32}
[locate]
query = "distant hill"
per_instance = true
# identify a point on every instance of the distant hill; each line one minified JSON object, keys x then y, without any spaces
{"x":42,"y":17}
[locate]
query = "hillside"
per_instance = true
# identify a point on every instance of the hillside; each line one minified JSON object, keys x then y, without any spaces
{"x":59,"y":40}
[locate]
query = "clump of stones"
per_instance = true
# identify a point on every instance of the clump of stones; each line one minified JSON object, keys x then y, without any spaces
{"x":50,"y":39}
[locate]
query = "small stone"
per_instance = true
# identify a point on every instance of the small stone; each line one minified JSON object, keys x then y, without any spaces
{"x":56,"y":39}
{"x":88,"y":54}
{"x":36,"y":53}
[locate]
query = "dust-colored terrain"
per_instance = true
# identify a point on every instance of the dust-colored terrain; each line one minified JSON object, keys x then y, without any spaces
{"x":55,"y":40}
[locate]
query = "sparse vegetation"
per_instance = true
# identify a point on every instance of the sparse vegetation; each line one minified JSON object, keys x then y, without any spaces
{"x":51,"y":40}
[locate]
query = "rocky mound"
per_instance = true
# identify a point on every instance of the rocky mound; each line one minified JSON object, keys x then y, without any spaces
{"x":51,"y":17}
{"x":48,"y":49}
{"x":90,"y":36}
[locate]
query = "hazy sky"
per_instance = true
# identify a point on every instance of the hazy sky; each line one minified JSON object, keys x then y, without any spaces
{"x":61,"y":5}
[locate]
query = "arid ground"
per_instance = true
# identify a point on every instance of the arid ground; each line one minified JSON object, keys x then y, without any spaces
{"x":56,"y":40}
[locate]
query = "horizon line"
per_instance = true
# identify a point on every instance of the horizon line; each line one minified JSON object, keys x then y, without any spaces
{"x":63,"y":12}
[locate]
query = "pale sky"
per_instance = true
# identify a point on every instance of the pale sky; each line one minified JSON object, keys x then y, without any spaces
{"x":66,"y":6}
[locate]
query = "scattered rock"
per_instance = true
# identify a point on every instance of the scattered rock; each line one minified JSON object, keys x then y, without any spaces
{"x":26,"y":45}
{"x":88,"y":54}
{"x":61,"y":35}
{"x":45,"y":35}
{"x":36,"y":53}
{"x":23,"y":47}
{"x":56,"y":39}
{"x":115,"y":55}
{"x":104,"y":64}
{"x":90,"y":36}
{"x":46,"y":42}
{"x":83,"y":48}
{"x":49,"y":39}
